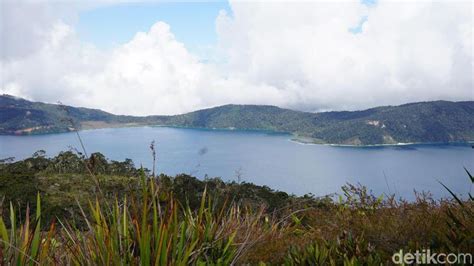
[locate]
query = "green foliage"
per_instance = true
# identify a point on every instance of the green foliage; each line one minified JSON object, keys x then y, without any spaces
{"x":65,"y":180}
{"x":140,"y":230}
{"x":135,"y":219}
{"x":150,"y":231}
{"x":438,"y":121}
{"x":460,"y":222}
{"x":19,"y":116}
{"x":25,"y":244}
{"x":346,"y":252}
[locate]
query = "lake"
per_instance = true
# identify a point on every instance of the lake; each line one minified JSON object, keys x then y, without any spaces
{"x":268,"y":159}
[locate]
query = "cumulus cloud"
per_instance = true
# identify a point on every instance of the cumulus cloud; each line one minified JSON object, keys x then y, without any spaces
{"x":151,"y":74}
{"x":25,"y":24}
{"x":405,"y":51}
{"x":45,"y":74}
{"x":155,"y":72}
{"x":300,"y":55}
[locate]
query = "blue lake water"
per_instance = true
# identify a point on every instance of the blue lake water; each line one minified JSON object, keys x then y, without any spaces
{"x":269,"y":159}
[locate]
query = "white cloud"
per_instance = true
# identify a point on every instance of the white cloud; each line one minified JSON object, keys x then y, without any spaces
{"x":45,"y":74}
{"x":298,"y":55}
{"x":154,"y":73}
{"x":151,"y":74}
{"x":407,"y":51}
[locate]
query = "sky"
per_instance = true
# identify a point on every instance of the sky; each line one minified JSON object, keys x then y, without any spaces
{"x":192,"y":23}
{"x":166,"y":57}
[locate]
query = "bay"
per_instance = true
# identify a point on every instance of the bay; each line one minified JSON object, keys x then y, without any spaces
{"x":267,"y":158}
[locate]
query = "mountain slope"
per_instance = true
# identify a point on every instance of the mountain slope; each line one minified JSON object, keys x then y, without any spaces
{"x":261,"y":117}
{"x":439,"y":121}
{"x":19,"y":116}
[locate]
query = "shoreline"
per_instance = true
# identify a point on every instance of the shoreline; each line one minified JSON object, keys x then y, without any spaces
{"x":306,"y":141}
{"x":90,"y":125}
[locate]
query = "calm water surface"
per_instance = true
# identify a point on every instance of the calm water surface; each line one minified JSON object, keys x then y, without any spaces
{"x":269,"y":159}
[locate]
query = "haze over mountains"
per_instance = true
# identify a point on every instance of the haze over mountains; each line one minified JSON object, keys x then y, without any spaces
{"x":423,"y":122}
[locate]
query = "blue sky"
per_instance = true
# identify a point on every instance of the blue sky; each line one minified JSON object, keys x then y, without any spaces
{"x":193,"y":23}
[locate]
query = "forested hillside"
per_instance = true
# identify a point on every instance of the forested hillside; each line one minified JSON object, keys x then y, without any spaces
{"x":438,"y":121}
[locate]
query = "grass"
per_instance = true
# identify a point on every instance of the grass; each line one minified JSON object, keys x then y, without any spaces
{"x":150,"y":228}
{"x":27,"y":244}
{"x":137,"y":219}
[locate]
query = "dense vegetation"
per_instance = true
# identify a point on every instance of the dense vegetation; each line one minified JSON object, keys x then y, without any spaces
{"x":90,"y":211}
{"x":439,"y":121}
{"x":19,"y":116}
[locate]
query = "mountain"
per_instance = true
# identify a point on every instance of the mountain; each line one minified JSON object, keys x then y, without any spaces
{"x":438,"y":121}
{"x":19,"y":116}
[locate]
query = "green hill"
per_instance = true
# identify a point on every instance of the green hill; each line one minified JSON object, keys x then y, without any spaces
{"x":438,"y":121}
{"x":19,"y":116}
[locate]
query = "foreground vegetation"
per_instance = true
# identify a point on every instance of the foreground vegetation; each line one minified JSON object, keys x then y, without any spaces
{"x":90,"y":211}
{"x":429,"y":122}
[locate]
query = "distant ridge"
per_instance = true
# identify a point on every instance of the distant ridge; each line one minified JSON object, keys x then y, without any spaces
{"x":423,"y":122}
